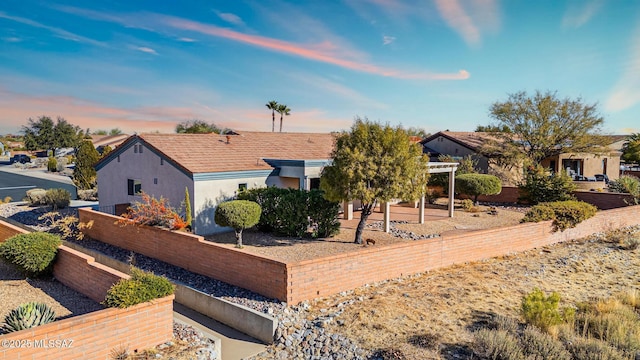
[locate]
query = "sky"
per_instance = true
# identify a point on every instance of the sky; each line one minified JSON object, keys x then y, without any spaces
{"x":144,"y":66}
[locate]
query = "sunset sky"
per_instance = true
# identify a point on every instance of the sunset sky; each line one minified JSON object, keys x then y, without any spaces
{"x":436,"y":64}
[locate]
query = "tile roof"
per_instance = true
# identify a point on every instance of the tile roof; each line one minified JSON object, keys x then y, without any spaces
{"x":203,"y":153}
{"x":472,"y":140}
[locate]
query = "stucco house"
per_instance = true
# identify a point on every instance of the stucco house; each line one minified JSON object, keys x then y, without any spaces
{"x":212,"y":167}
{"x":581,"y":165}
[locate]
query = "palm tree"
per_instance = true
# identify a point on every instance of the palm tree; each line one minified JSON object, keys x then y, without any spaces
{"x":273,"y":106}
{"x":283,"y":110}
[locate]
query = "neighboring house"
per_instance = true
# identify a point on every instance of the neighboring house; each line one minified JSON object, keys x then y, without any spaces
{"x":581,"y":165}
{"x":102,"y":141}
{"x":212,"y":167}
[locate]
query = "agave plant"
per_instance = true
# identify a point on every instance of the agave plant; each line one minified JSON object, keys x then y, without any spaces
{"x":27,"y":316}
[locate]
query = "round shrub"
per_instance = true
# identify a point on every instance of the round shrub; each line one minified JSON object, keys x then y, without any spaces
{"x":57,"y":198}
{"x":34,"y":253}
{"x":478,"y":184}
{"x":238,"y":214}
{"x":565,"y":214}
{"x":139,"y":288}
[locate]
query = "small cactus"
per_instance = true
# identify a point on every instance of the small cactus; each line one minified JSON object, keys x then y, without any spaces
{"x":27,"y":316}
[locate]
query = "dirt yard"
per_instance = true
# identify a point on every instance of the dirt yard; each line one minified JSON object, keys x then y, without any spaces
{"x":433,"y":315}
{"x":16,"y":289}
{"x":403,"y":218}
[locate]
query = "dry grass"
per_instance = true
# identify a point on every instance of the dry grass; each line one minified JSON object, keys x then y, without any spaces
{"x":450,"y":303}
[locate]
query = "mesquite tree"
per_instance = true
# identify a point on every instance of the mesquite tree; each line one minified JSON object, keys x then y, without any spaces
{"x":374,"y":163}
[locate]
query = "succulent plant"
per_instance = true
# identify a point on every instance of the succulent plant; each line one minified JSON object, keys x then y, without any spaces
{"x":27,"y":316}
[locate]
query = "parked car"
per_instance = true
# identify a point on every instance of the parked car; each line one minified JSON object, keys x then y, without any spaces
{"x":602,"y":177}
{"x":21,"y":158}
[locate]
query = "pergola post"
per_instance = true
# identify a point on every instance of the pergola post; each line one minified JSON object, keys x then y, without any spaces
{"x":452,"y":181}
{"x":387,"y":216}
{"x":421,"y":211}
{"x":347,"y":208}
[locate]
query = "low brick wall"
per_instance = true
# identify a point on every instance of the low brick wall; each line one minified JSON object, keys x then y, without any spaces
{"x":192,"y":252}
{"x":95,"y":334}
{"x":296,"y":282}
{"x":321,"y":277}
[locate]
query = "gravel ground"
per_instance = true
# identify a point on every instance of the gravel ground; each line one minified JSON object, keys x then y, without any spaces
{"x":16,"y":289}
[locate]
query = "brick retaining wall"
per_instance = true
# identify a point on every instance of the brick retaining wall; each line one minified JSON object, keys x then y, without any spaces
{"x":296,"y":282}
{"x":191,"y":252}
{"x":95,"y":334}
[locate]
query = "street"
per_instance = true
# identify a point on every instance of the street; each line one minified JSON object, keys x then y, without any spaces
{"x":16,"y":185}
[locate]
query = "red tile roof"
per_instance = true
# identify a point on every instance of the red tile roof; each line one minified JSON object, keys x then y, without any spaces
{"x":202,"y":153}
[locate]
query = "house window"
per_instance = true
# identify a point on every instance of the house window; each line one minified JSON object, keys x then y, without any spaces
{"x":140,"y":149}
{"x":161,"y":161}
{"x":242,"y":187}
{"x":135,"y":149}
{"x":155,"y":181}
{"x":134,"y":187}
{"x":118,"y":158}
{"x":314,"y":183}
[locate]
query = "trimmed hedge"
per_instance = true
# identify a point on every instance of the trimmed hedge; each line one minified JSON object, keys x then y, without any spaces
{"x":34,"y":253}
{"x":292,"y":212}
{"x":478,"y":184}
{"x":141,"y":287}
{"x":565,"y":214}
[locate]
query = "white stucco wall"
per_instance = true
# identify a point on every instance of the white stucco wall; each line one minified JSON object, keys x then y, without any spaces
{"x":145,"y":166}
{"x":209,"y":193}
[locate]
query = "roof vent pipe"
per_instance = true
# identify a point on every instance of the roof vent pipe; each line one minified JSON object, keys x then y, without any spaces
{"x":228,"y":139}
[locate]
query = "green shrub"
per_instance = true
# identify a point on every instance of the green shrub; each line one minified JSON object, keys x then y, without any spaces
{"x":36,"y":197}
{"x":628,"y":184}
{"x":57,"y":198}
{"x":496,"y":345}
{"x":478,"y":184}
{"x":188,"y":218}
{"x":323,"y":215}
{"x":543,"y":311}
{"x":52,"y":164}
{"x":27,"y":316}
{"x":141,"y":287}
{"x":565,"y":214}
{"x":238,"y":214}
{"x":291,"y":212}
{"x":538,"y":345}
{"x":34,"y":252}
{"x":539,"y":186}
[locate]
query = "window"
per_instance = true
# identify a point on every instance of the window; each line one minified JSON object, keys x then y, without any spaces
{"x":134,"y":187}
{"x":161,"y":161}
{"x":135,"y":149}
{"x":140,"y":149}
{"x":242,"y":187}
{"x":314,"y":183}
{"x":118,"y":158}
{"x":155,"y":181}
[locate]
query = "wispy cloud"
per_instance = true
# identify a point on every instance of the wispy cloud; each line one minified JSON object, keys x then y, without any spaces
{"x":580,"y":12}
{"x":386,"y":40}
{"x":323,"y":52}
{"x":186,"y":39}
{"x":145,"y":49}
{"x":12,"y":39}
{"x":230,"y":18}
{"x":626,"y":93}
{"x":61,"y":33}
{"x":456,"y":17}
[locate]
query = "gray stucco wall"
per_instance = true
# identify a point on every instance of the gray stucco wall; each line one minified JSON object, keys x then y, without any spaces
{"x":158,"y":178}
